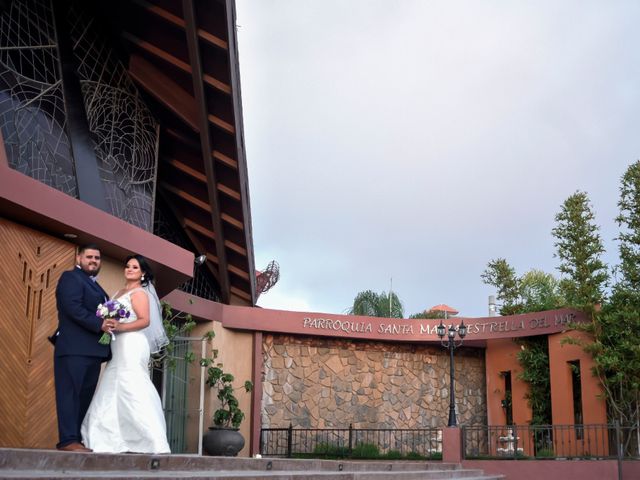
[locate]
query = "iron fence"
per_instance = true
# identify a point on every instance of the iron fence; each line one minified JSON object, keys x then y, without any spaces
{"x":551,"y":441}
{"x":419,"y":443}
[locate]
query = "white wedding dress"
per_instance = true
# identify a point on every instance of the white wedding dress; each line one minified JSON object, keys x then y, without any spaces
{"x":126,"y":414}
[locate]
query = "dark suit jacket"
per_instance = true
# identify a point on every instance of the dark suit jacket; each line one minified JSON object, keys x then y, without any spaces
{"x":79,"y":330}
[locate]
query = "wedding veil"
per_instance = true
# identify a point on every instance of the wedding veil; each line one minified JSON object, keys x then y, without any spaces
{"x":156,"y":336}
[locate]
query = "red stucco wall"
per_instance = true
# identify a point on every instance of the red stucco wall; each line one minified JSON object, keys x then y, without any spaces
{"x":556,"y":469}
{"x":593,"y":407}
{"x":501,"y":357}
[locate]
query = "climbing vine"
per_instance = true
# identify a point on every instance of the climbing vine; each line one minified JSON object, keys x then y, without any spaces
{"x":534,"y":360}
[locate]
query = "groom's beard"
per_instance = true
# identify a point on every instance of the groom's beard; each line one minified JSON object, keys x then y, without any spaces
{"x":92,"y":269}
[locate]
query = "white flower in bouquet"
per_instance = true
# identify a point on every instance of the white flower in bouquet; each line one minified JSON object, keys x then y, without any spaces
{"x":114,"y":310}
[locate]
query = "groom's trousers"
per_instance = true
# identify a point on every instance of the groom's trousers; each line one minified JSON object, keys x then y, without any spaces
{"x":76,"y":378}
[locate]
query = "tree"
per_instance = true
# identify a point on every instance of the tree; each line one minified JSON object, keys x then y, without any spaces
{"x":502,"y":276}
{"x":616,"y":330}
{"x":629,"y":220}
{"x":579,"y":248}
{"x":532,"y":292}
{"x":372,"y":304}
{"x":615,"y":350}
{"x":431,"y":314}
{"x":539,"y":291}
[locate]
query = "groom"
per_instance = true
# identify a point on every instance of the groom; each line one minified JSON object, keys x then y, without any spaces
{"x":77,"y":353}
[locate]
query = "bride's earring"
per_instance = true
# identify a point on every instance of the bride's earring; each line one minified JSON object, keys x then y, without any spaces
{"x":142,"y":278}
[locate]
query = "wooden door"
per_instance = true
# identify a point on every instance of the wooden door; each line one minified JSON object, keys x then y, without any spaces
{"x":30,"y":266}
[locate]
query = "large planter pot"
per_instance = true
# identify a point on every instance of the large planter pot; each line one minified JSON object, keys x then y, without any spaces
{"x":222,"y":442}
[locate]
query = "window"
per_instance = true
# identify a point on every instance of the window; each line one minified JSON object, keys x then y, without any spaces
{"x":576,"y":386}
{"x":507,"y":403}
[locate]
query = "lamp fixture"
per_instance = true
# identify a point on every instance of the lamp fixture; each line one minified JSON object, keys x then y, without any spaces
{"x":448,"y":340}
{"x":200,"y":259}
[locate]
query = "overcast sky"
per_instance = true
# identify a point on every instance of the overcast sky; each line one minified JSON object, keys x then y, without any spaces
{"x":417,"y":139}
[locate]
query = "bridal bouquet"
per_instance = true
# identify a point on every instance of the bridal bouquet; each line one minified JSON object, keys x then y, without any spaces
{"x":111,"y":309}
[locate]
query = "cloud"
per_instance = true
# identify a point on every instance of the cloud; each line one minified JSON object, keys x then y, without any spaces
{"x":419,"y":140}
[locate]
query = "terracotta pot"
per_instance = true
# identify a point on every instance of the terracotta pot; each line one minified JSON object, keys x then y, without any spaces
{"x":222,"y":442}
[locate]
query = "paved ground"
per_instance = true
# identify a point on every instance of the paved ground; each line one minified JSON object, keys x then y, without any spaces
{"x":50,"y":464}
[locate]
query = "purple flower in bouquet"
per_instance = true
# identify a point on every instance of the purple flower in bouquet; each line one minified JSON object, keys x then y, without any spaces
{"x":111,"y":309}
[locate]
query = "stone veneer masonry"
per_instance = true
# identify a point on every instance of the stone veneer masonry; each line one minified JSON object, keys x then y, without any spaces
{"x":313,"y":382}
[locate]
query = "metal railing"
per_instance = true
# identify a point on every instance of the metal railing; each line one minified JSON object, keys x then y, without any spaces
{"x":183,"y":395}
{"x":551,"y":441}
{"x":418,"y":443}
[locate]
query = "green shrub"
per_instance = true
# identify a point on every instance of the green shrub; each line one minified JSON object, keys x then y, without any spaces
{"x":414,"y":456}
{"x":393,"y":455}
{"x":545,"y":453}
{"x":330,"y":450}
{"x":365,"y":450}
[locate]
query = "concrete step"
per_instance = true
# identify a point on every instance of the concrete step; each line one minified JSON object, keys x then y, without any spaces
{"x":247,"y":474}
{"x":50,"y":464}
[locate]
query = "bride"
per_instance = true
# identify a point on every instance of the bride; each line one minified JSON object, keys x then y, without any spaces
{"x":126,"y":414}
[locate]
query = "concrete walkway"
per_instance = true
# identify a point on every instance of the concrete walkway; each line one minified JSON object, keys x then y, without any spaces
{"x":51,"y":464}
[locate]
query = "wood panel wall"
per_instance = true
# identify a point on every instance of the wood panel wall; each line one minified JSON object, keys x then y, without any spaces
{"x":30,"y":266}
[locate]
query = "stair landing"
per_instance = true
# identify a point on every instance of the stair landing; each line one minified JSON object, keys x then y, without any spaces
{"x":26,"y":464}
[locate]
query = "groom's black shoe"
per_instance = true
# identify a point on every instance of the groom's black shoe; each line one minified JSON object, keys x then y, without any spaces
{"x":75,"y":447}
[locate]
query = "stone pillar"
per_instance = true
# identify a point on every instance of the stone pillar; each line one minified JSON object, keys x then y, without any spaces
{"x":452,"y":445}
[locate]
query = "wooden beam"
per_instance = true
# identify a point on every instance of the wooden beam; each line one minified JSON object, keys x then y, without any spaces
{"x":157,"y":52}
{"x":217,"y":155}
{"x":175,"y":61}
{"x":235,"y":270}
{"x":169,"y":93}
{"x":192,"y":238}
{"x":186,"y":169}
{"x":238,"y":272}
{"x":241,"y":293}
{"x":205,"y":232}
{"x":187,"y":197}
{"x":205,"y":143}
{"x":180,"y":137}
{"x":179,"y":22}
{"x":228,"y":191}
{"x":234,"y":80}
{"x":228,"y":161}
{"x":235,"y":247}
{"x":217,"y":84}
{"x":218,"y":122}
{"x":212,"y":39}
{"x":200,"y":177}
{"x":164,"y":89}
{"x":211,"y":235}
{"x":232,"y":221}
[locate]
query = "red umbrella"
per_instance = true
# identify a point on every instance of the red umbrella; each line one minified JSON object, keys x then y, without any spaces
{"x":444,"y":308}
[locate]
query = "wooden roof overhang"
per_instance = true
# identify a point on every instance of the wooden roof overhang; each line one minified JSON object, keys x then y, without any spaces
{"x":183,"y":58}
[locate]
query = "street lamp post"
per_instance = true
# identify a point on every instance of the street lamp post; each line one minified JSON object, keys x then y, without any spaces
{"x":451,"y":343}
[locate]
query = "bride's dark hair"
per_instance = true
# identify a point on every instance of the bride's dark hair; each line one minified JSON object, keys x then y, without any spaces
{"x":144,"y":268}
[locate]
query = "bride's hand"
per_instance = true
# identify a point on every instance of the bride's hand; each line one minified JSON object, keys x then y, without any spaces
{"x":107,"y":325}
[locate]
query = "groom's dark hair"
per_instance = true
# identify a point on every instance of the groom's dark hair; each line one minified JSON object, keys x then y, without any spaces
{"x":88,"y":246}
{"x":144,"y":267}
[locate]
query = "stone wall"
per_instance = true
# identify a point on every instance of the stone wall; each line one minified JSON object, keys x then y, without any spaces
{"x":314,"y":382}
